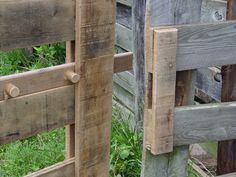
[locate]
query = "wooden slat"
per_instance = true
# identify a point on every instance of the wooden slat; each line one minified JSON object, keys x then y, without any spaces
{"x":32,"y":114}
{"x":123,"y":62}
{"x":158,"y":13}
{"x":124,"y":15}
{"x":27,"y":23}
{"x":124,"y":37}
{"x":53,"y":77}
{"x":206,"y":45}
{"x":160,"y":135}
{"x":70,"y":129}
{"x":95,"y":40}
{"x":38,"y":80}
{"x":28,"y":115}
{"x":226,"y":154}
{"x":61,"y":169}
{"x":211,"y":122}
{"x":125,"y":2}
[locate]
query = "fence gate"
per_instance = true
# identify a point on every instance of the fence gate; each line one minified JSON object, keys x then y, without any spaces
{"x":181,"y":48}
{"x":78,"y":92}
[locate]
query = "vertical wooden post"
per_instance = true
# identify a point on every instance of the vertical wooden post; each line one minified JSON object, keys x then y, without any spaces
{"x":138,"y":21}
{"x":94,"y":59}
{"x":166,"y":13}
{"x":226,"y":162}
{"x":70,"y":129}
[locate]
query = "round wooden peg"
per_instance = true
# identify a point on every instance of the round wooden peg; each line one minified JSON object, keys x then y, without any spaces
{"x":73,"y":77}
{"x":12,"y":90}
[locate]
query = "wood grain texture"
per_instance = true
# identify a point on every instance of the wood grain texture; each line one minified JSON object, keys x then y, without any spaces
{"x":95,"y":40}
{"x":124,"y":37}
{"x":125,"y":2}
{"x":28,"y":23}
{"x":124,"y":15}
{"x":61,"y":169}
{"x":198,"y":45}
{"x":29,"y":115}
{"x":123,"y":62}
{"x":166,"y":13}
{"x":38,"y":80}
{"x":53,"y":77}
{"x":210,"y":122}
{"x":213,"y":10}
{"x":70,"y":129}
{"x":160,"y":135}
{"x":138,"y":22}
{"x":226,"y":161}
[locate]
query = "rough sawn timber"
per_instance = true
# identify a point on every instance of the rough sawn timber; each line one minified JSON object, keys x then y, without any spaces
{"x":94,"y":51}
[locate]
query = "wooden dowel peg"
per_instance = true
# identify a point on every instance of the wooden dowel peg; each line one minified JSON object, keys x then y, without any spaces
{"x":12,"y":90}
{"x":73,"y":77}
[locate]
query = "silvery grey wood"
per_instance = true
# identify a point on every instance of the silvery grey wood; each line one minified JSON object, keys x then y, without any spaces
{"x":125,"y":2}
{"x":213,"y":10}
{"x":207,"y":84}
{"x":166,"y":13}
{"x":124,"y":15}
{"x":124,"y":37}
{"x":206,"y":45}
{"x":209,"y":122}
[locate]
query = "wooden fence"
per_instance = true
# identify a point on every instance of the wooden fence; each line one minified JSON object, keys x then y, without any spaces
{"x":78,"y":94}
{"x":207,"y":88}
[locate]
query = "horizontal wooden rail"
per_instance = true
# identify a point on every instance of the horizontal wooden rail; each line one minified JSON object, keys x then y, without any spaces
{"x":53,"y":77}
{"x":32,"y":22}
{"x":32,"y":114}
{"x":61,"y":169}
{"x":28,"y":115}
{"x":67,"y":168}
{"x":205,"y":45}
{"x":209,"y":122}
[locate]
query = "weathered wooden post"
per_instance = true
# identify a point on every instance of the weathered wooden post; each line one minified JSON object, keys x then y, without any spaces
{"x":226,"y":160}
{"x":94,"y":60}
{"x":138,"y":22}
{"x":166,"y":13}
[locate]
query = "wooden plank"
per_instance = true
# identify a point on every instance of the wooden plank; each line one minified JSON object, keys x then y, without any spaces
{"x":70,"y":129}
{"x":124,"y":15}
{"x":53,"y":77}
{"x":95,"y":40}
{"x":226,"y":161}
{"x":28,"y":23}
{"x":192,"y":124}
{"x":160,"y":135}
{"x":123,"y":62}
{"x":124,"y":37}
{"x":165,"y":13}
{"x":123,"y":96}
{"x":206,"y":83}
{"x":198,"y":45}
{"x":61,"y":169}
{"x":125,"y":2}
{"x":213,"y":10}
{"x":32,"y":114}
{"x":125,"y":80}
{"x":202,"y":123}
{"x":38,"y":80}
{"x":138,"y":24}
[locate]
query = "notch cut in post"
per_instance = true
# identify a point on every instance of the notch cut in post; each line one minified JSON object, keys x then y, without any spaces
{"x":159,"y":116}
